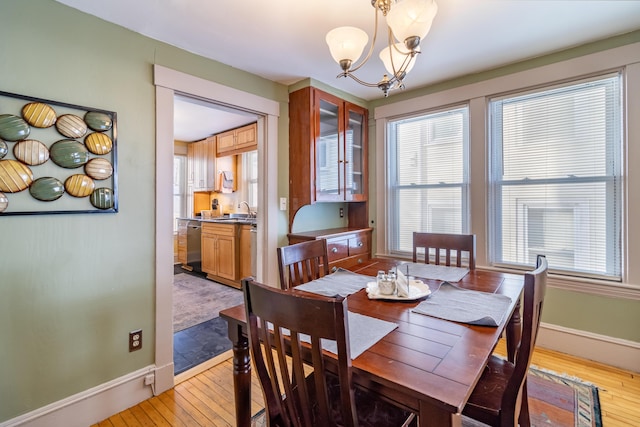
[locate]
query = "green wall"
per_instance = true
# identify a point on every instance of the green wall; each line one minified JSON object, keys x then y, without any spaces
{"x":73,"y":286}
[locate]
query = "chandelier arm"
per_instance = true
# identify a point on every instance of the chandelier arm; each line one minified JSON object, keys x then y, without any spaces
{"x":373,"y":43}
{"x":362,"y":82}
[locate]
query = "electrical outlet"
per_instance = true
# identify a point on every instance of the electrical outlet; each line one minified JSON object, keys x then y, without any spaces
{"x":341,"y":212}
{"x":135,"y":340}
{"x":283,"y":203}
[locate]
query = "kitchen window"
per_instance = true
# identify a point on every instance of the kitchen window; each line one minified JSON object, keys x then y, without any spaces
{"x":250,"y":178}
{"x":428,"y":176}
{"x":179,"y":189}
{"x":555,"y":178}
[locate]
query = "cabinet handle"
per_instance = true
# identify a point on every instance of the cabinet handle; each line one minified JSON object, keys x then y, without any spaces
{"x":334,"y":250}
{"x":334,"y":269}
{"x":359,"y":244}
{"x":359,"y":260}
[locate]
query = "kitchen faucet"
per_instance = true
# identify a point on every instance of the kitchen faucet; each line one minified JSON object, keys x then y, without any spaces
{"x":248,"y":208}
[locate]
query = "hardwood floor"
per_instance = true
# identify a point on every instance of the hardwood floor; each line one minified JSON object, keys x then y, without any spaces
{"x":207,"y":398}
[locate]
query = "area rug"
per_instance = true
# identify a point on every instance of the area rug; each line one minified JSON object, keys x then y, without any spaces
{"x":199,"y":343}
{"x":196,"y":300}
{"x":554,"y":401}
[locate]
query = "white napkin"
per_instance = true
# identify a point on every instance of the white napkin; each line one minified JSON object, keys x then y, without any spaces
{"x":402,"y":284}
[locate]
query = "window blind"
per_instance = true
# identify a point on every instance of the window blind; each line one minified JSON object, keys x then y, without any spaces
{"x":428,"y":164}
{"x":556,"y":159}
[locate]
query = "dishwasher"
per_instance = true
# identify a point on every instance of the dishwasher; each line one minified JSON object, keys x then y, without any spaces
{"x":194,"y":251}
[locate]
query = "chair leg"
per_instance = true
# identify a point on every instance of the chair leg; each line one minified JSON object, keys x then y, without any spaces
{"x":524,"y":419}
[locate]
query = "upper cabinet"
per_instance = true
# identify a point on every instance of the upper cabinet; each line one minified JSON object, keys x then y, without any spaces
{"x":237,"y":141}
{"x":201,"y":165}
{"x":327,"y":149}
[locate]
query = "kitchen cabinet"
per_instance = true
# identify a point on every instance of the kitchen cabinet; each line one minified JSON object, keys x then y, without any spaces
{"x":220,"y":258}
{"x":327,"y":151}
{"x":245,"y":251}
{"x":346,"y":247}
{"x":237,"y":140}
{"x":201,"y":165}
{"x":182,"y":241}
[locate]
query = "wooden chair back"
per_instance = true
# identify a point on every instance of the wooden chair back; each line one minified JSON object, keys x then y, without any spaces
{"x":451,"y":246}
{"x":500,"y":396}
{"x":535,"y":287}
{"x":291,"y":398}
{"x":302,"y":262}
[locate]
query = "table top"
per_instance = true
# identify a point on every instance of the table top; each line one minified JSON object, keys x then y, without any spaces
{"x":425,"y":359}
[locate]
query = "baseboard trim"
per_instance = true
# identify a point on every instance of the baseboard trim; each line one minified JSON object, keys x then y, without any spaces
{"x":90,"y":406}
{"x":611,"y":351}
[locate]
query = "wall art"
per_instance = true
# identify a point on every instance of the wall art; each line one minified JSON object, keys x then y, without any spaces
{"x":56,"y":158}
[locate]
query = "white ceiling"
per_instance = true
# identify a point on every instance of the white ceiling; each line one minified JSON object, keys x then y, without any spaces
{"x":284,"y":40}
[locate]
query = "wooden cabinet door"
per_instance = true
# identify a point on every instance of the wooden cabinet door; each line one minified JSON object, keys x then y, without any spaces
{"x":245,"y":251}
{"x":209,"y":253}
{"x":329,"y":148}
{"x":226,"y":142}
{"x":355,"y":160}
{"x":226,"y":257}
{"x":182,"y":242}
{"x":246,"y":137}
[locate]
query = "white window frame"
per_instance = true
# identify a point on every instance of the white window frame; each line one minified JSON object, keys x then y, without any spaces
{"x":624,"y":58}
{"x":394,"y":210}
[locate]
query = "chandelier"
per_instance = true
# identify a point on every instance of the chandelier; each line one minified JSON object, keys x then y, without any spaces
{"x":408,"y":22}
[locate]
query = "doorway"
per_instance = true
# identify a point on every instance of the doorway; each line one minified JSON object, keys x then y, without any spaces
{"x":200,"y":336}
{"x":169,"y":83}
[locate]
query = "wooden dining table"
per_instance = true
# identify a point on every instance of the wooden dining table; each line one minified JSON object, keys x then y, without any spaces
{"x":428,"y":365}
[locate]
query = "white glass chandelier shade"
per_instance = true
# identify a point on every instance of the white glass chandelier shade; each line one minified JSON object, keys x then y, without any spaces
{"x":346,"y":43}
{"x":399,"y":54}
{"x":411,"y":18}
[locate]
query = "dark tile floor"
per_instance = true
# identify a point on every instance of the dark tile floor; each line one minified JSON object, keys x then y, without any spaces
{"x":199,"y":343}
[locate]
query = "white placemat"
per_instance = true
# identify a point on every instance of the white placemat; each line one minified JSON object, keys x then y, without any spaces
{"x":342,"y":283}
{"x":364,"y":331}
{"x":465,"y":306}
{"x":432,"y":271}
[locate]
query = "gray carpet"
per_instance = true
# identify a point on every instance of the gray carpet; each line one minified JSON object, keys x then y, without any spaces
{"x":196,"y":300}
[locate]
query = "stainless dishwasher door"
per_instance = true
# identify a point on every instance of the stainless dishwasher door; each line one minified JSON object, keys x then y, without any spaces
{"x":194,"y":251}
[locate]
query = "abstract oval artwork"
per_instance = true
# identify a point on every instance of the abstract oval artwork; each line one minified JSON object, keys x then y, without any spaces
{"x":4,"y":149}
{"x":99,"y":168}
{"x":46,"y":189}
{"x":79,"y":185}
{"x":102,"y":198}
{"x":68,"y":153}
{"x":98,"y":121}
{"x":39,"y":114}
{"x":71,"y":126}
{"x":31,"y":152}
{"x":13,"y":128}
{"x":4,"y":202}
{"x":14,"y":176}
{"x":98,"y":143}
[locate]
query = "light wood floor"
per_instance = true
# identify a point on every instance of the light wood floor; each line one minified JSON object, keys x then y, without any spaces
{"x":207,"y":398}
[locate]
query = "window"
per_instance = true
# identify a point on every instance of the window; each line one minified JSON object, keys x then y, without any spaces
{"x":428,"y":164}
{"x":179,"y":189}
{"x":250,"y":178}
{"x":556,"y":178}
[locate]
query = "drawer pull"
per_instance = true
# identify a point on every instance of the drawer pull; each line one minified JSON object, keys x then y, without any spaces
{"x":334,"y":269}
{"x":334,"y":250}
{"x":359,"y":244}
{"x":359,"y":260}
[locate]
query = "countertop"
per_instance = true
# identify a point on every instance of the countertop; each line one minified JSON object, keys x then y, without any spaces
{"x":223,"y":220}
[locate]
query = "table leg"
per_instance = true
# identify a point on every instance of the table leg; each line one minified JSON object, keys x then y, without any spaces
{"x":514,"y":333}
{"x":433,"y":416}
{"x":241,"y":376}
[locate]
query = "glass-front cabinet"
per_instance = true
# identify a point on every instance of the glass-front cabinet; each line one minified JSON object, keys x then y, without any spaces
{"x":339,"y":149}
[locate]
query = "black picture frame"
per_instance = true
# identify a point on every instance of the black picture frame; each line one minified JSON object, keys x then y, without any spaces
{"x":104,"y":195}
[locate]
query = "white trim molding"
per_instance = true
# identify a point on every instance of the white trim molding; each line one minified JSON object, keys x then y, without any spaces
{"x":90,"y":406}
{"x":587,"y":345}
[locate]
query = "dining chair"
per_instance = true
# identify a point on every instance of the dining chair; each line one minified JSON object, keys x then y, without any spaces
{"x":451,"y":244}
{"x":282,"y":356}
{"x":500,"y":396}
{"x":302,"y":262}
